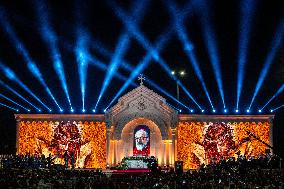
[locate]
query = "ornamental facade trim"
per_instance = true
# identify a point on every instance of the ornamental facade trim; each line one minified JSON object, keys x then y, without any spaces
{"x":142,"y":102}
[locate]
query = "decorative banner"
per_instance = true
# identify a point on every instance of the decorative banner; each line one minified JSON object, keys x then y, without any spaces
{"x":84,"y":142}
{"x":206,"y":142}
{"x":141,"y":143}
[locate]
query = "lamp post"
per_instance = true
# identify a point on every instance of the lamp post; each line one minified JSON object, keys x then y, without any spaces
{"x":181,"y":74}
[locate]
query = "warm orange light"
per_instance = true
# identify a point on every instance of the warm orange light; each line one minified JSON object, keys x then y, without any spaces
{"x":35,"y":138}
{"x":190,"y":145}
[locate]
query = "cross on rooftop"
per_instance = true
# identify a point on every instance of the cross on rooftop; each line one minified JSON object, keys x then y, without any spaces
{"x":141,"y":78}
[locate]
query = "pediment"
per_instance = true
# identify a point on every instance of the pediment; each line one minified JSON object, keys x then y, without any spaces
{"x":142,"y":102}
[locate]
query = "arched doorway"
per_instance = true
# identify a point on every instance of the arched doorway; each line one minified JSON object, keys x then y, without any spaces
{"x":127,"y":138}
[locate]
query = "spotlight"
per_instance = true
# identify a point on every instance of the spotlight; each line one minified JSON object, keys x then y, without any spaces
{"x":202,"y":110}
{"x":214,"y":110}
{"x":259,"y":111}
{"x":61,"y":110}
{"x":29,"y":110}
{"x":83,"y":110}
{"x":50,"y":110}
{"x":248,"y":110}
{"x":94,"y":110}
{"x":271,"y":110}
{"x":39,"y":110}
{"x":17,"y":110}
{"x":105,"y":110}
{"x":179,"y":110}
{"x":72,"y":110}
{"x":182,"y":73}
{"x":225,"y":110}
{"x":173,"y":72}
{"x":237,"y":111}
{"x":191,"y":110}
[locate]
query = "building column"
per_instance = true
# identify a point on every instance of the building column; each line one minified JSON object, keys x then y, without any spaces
{"x":108,"y":133}
{"x":173,"y":145}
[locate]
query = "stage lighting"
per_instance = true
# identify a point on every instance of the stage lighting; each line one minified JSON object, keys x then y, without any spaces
{"x":187,"y":44}
{"x":61,"y":110}
{"x":72,"y":110}
{"x":237,"y":111}
{"x":17,"y":110}
{"x":202,"y":110}
{"x":202,"y":8}
{"x":50,"y":38}
{"x":11,"y":75}
{"x":29,"y":110}
{"x":191,"y":111}
{"x":259,"y":111}
{"x":121,"y":48}
{"x":24,"y":52}
{"x":39,"y":110}
{"x":83,"y":110}
{"x":248,"y":110}
{"x":225,"y":110}
{"x":275,"y":45}
{"x":182,"y":73}
{"x":271,"y":110}
{"x":16,"y":93}
{"x":94,"y":110}
{"x":8,"y":106}
{"x":188,"y":47}
{"x":173,"y":72}
{"x":213,"y":110}
{"x":179,"y":110}
{"x":14,"y":102}
{"x":105,"y":110}
{"x":50,"y":110}
{"x":246,"y":15}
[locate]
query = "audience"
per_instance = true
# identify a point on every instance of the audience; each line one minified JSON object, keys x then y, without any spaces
{"x":33,"y":172}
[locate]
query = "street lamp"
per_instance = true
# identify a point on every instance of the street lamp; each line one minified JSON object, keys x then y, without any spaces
{"x":180,"y":73}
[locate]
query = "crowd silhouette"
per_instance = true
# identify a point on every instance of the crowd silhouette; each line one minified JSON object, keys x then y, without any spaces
{"x":34,"y":172}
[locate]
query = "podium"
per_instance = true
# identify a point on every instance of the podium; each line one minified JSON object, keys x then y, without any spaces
{"x":137,"y":162}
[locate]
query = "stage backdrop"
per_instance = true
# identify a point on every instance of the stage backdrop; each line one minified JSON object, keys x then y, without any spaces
{"x":85,"y":140}
{"x":141,"y":143}
{"x":203,"y":142}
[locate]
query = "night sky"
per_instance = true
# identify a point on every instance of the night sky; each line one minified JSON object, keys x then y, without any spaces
{"x":213,"y":30}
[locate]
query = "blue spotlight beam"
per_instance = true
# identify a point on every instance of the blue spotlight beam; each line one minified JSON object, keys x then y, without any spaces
{"x":14,"y":102}
{"x":92,"y":60}
{"x":103,"y":50}
{"x":9,"y":107}
{"x":81,"y":52}
{"x":275,"y":45}
{"x":17,"y":94}
{"x":278,"y":107}
{"x":102,"y":66}
{"x":153,"y":84}
{"x":187,"y":45}
{"x":121,"y":48}
{"x":246,"y":15}
{"x":211,"y":43}
{"x":23,"y":51}
{"x":153,"y":51}
{"x":51,"y":39}
{"x":280,"y":90}
{"x":12,"y":76}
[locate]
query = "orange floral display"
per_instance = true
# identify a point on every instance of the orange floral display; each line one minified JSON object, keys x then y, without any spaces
{"x":86,"y":141}
{"x":205,"y":142}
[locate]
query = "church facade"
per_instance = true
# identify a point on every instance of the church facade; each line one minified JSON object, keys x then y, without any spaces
{"x":143,"y":124}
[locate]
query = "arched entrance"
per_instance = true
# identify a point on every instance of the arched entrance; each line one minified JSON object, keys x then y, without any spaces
{"x":141,"y":106}
{"x":127,"y":138}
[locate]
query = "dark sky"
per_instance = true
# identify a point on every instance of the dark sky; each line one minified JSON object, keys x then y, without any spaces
{"x":99,"y":20}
